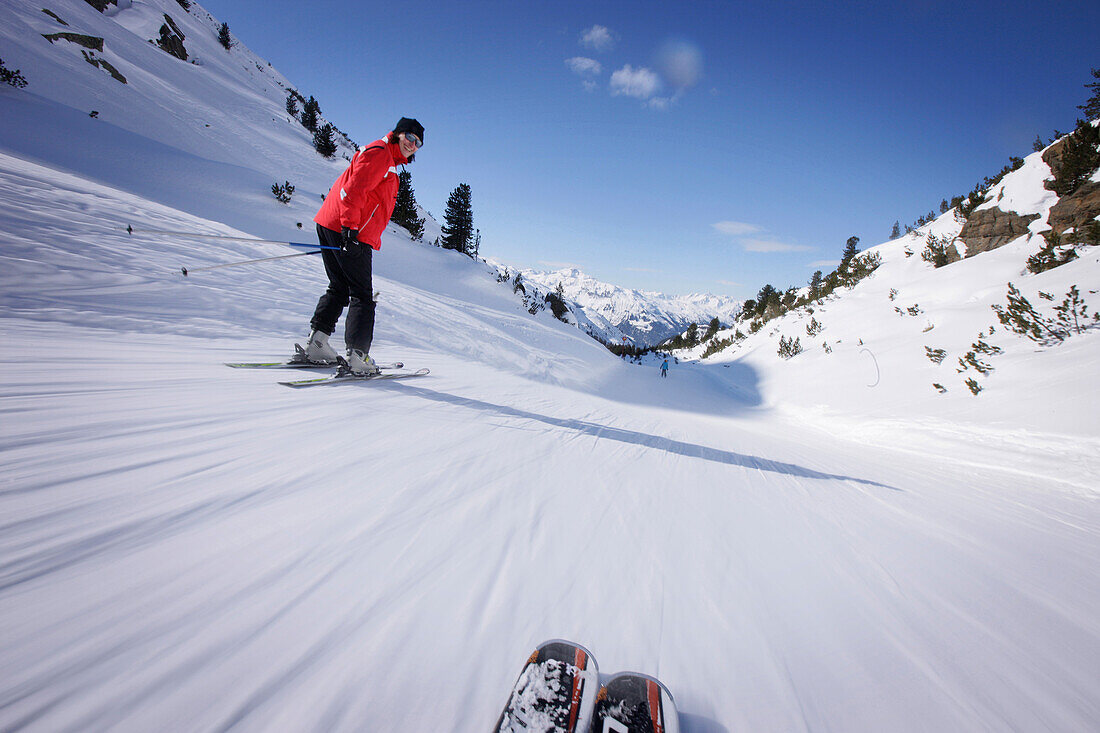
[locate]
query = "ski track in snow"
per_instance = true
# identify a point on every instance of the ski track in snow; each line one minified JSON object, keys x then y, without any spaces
{"x":189,"y":547}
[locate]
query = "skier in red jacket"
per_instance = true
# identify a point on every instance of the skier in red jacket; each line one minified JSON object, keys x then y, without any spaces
{"x":355,"y":213}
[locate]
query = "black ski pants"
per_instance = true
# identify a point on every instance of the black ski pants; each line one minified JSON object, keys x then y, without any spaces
{"x":349,"y":285}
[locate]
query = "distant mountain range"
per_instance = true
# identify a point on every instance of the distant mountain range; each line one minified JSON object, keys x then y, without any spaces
{"x":615,"y":314}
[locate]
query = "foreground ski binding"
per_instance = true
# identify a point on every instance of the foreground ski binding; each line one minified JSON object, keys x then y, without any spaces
{"x":635,"y":703}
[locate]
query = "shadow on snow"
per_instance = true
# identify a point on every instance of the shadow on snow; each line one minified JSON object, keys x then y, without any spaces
{"x":657,"y":442}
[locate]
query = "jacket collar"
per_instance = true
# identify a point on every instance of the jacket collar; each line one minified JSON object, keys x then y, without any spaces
{"x":395,"y":151}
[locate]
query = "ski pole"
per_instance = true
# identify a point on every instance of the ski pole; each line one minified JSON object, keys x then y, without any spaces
{"x":186,"y":271}
{"x":130,"y":230}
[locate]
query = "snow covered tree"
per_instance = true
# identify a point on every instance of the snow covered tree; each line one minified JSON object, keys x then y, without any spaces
{"x":458,"y":227}
{"x":404,"y":210}
{"x":324,"y":142}
{"x":224,"y":38}
{"x":896,"y":231}
{"x":291,"y":106}
{"x":789,"y":348}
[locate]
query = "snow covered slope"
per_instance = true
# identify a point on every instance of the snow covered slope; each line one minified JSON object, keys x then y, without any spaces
{"x":869,"y":356}
{"x":209,"y":135}
{"x":189,"y":547}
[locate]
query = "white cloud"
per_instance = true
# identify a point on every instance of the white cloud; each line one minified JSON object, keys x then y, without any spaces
{"x":681,"y":64}
{"x":769,"y":245}
{"x":641,"y":82}
{"x":589,"y":85}
{"x":824,"y":263}
{"x":582,"y":66}
{"x":735,"y":228}
{"x":597,"y":37}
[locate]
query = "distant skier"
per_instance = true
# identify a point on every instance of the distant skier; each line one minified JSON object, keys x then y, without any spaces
{"x":664,"y":368}
{"x":355,"y":213}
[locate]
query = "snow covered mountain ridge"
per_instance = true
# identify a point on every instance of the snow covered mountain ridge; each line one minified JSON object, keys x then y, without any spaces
{"x":614,"y":314}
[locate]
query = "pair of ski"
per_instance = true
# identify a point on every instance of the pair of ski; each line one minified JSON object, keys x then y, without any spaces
{"x":342,"y":375}
{"x":559,"y":691}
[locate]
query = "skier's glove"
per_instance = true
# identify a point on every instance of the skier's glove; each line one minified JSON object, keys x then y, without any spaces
{"x":350,"y":239}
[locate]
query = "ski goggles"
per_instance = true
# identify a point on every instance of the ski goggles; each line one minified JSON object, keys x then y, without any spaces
{"x":417,"y":142}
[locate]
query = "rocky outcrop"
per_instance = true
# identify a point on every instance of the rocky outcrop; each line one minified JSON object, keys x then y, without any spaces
{"x":94,"y":60}
{"x":171,"y":39}
{"x":92,"y":43}
{"x":988,"y":229}
{"x":1077,"y":209}
{"x":54,"y":15}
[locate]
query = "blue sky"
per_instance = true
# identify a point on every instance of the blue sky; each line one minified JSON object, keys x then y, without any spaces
{"x":700,"y":147}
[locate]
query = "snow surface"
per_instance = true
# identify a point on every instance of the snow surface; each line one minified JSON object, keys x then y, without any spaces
{"x":189,"y":547}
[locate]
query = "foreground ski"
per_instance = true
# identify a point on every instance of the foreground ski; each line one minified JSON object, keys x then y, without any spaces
{"x":555,"y":692}
{"x":343,"y":377}
{"x":298,"y":361}
{"x":635,"y":703}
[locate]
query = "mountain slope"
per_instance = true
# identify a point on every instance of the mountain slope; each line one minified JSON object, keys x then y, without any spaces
{"x":871,"y":349}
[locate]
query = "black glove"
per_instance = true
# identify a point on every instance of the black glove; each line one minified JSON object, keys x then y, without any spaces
{"x":350,"y":239}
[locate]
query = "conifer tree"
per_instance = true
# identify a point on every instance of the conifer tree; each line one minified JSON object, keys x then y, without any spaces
{"x":896,"y":231}
{"x":324,"y":142}
{"x":404,"y":210}
{"x":1079,"y":160}
{"x":458,"y":227}
{"x":712,"y":328}
{"x":291,"y":105}
{"x":1091,"y":108}
{"x":851,"y":249}
{"x":815,"y":284}
{"x":767,"y":302}
{"x":310,"y":110}
{"x":224,"y":38}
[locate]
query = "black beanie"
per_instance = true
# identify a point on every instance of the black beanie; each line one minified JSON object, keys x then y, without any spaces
{"x":407,"y":125}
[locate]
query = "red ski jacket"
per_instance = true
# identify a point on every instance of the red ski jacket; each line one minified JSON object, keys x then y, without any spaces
{"x":362,"y":198}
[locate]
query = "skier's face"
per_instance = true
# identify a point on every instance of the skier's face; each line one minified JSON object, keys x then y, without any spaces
{"x":409,"y":144}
